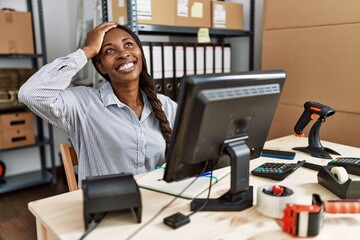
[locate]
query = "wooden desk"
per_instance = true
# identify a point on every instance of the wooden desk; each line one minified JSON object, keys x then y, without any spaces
{"x":60,"y":217}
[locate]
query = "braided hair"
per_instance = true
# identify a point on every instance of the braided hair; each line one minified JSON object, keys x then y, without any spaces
{"x":146,"y":84}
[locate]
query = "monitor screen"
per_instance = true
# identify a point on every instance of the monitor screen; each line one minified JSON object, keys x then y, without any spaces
{"x":223,"y":119}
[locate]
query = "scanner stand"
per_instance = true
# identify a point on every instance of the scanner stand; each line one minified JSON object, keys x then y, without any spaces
{"x":108,"y":193}
{"x":240,"y":195}
{"x":315,"y":148}
{"x":347,"y":190}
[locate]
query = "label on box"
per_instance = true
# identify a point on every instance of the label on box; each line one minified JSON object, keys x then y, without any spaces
{"x":182,"y":8}
{"x":121,"y":3}
{"x":197,"y":10}
{"x":219,"y":14}
{"x":144,"y":9}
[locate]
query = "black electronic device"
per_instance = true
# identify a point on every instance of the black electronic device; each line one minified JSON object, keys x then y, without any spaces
{"x":276,"y":171}
{"x":338,"y":182}
{"x":222,"y":120}
{"x":351,"y":164}
{"x":289,"y":155}
{"x":315,"y":148}
{"x":108,"y":193}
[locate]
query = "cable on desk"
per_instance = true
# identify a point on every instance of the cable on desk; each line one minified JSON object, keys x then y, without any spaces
{"x":168,"y":204}
{"x":93,"y":224}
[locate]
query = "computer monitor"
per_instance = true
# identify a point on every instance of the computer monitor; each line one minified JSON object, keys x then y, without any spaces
{"x":222,"y":119}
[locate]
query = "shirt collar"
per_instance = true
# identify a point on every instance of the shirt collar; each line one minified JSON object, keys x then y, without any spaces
{"x":108,"y":98}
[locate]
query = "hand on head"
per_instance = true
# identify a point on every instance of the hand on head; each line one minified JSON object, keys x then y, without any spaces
{"x":95,"y":38}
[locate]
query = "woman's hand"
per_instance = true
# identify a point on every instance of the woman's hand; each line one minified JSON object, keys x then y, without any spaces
{"x":95,"y":38}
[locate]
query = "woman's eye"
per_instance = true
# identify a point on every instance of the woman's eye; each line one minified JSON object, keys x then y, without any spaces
{"x":109,"y":50}
{"x":129,"y":44}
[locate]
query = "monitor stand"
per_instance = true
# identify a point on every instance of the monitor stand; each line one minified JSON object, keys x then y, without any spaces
{"x":240,"y":195}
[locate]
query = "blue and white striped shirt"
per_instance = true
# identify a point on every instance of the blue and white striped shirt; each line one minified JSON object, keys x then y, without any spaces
{"x":107,"y":135}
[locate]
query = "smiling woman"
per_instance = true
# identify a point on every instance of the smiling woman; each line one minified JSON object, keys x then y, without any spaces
{"x":124,"y":126}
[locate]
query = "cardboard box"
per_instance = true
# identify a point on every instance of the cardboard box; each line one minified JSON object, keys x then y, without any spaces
{"x":8,"y":79}
{"x":342,"y":127}
{"x":16,"y":33}
{"x":17,"y":138}
{"x":227,"y":15}
{"x":152,"y":12}
{"x":280,"y":14}
{"x":197,"y":13}
{"x":15,"y":121}
{"x":320,"y":53}
{"x":322,"y":64}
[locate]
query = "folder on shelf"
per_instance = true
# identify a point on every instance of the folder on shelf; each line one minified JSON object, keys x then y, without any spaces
{"x":209,"y":58}
{"x":218,"y":58}
{"x":200,"y":59}
{"x":169,"y":79}
{"x":157,"y":66}
{"x":154,"y":181}
{"x":189,"y":59}
{"x":227,"y":58}
{"x":179,"y":66}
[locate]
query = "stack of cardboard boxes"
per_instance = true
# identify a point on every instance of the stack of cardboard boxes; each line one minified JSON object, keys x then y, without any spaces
{"x":317,"y":44}
{"x":188,"y":13}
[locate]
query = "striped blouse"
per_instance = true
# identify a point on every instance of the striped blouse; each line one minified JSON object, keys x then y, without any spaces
{"x":107,"y":135}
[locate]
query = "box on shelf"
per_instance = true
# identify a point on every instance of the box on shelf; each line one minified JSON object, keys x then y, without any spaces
{"x":227,"y":15}
{"x":152,"y":12}
{"x":16,"y":33}
{"x":16,"y":130}
{"x":15,"y":121}
{"x":194,"y":13}
{"x":17,"y":138}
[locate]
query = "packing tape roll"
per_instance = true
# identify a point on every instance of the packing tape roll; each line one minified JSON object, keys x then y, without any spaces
{"x":340,"y":173}
{"x":271,"y":203}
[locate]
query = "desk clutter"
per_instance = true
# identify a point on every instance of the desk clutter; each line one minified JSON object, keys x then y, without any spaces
{"x":306,"y":221}
{"x":304,"y":214}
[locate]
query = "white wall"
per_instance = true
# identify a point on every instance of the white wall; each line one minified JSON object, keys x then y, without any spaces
{"x":60,"y":20}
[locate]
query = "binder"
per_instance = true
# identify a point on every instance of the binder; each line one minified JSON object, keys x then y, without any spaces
{"x":157,"y":66}
{"x":189,"y":59}
{"x":218,"y":58}
{"x":227,"y":58}
{"x":200,"y":59}
{"x":146,"y":49}
{"x":169,"y":69}
{"x":209,"y":59}
{"x":179,"y":66}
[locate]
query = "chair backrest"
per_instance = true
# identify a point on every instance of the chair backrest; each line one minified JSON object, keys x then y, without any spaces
{"x":69,"y":159}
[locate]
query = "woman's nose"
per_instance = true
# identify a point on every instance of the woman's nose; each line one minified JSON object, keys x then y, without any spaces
{"x":123,"y":54}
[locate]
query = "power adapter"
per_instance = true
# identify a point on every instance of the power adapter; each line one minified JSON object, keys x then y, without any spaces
{"x":176,"y":220}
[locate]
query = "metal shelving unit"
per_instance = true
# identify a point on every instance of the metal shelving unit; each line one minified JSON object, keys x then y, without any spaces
{"x":220,"y":34}
{"x":42,"y":176}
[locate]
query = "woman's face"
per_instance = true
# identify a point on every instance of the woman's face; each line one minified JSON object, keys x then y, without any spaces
{"x":120,"y":57}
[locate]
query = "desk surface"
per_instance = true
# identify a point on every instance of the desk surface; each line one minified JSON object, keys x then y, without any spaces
{"x":60,"y":216}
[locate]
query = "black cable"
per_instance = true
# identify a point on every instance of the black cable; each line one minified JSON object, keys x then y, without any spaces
{"x":207,"y":198}
{"x":92,"y":225}
{"x":161,"y":210}
{"x":168,"y":204}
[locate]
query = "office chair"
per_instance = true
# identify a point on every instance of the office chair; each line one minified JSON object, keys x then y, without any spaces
{"x":69,"y":159}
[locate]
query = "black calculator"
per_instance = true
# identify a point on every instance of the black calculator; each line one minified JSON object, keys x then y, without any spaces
{"x":276,"y":171}
{"x":351,"y":164}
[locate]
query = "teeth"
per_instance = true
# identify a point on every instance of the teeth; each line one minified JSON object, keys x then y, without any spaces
{"x":126,"y":66}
